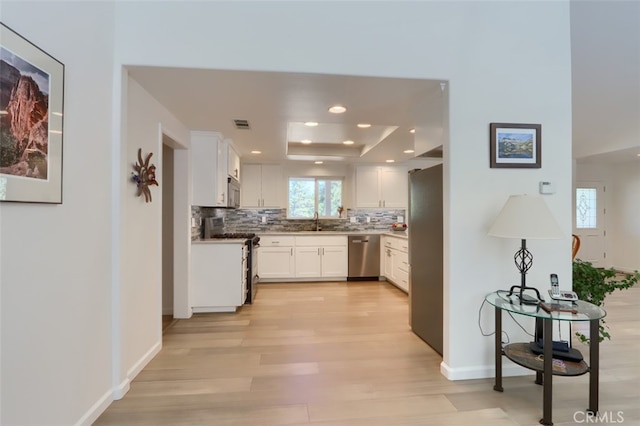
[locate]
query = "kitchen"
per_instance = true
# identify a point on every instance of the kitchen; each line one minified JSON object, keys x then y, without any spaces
{"x":246,"y":153}
{"x":262,"y":129}
{"x":241,"y":217}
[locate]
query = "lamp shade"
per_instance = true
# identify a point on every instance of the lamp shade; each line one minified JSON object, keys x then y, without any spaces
{"x":526,"y":217}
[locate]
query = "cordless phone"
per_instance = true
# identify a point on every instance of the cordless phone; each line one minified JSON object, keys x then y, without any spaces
{"x":557,"y":294}
{"x":555,"y":287}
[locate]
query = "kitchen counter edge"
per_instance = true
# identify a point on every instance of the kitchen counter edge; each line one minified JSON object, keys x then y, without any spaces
{"x":397,"y":234}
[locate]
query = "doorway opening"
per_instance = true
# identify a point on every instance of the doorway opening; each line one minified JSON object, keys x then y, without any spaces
{"x":589,"y":223}
{"x":167,"y":233}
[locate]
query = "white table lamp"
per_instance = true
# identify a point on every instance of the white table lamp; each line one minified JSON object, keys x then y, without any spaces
{"x":525,"y":217}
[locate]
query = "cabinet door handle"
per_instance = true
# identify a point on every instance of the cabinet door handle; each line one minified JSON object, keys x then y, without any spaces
{"x":223,"y":197}
{"x":384,"y":203}
{"x":291,"y":251}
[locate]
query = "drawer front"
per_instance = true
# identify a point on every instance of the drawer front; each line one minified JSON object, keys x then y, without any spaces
{"x":397,"y":243}
{"x":402,"y":279}
{"x":321,"y":240}
{"x":277,"y":241}
{"x":403,"y":262}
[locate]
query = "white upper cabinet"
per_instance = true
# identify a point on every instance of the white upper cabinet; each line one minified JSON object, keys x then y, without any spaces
{"x":261,"y":185}
{"x":233,"y":162}
{"x":209,"y":187}
{"x":382,"y":187}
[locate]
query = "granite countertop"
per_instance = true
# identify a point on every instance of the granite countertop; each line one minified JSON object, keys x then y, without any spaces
{"x":220,"y":241}
{"x":398,"y":234}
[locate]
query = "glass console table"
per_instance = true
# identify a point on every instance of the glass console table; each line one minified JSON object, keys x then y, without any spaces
{"x":544,"y":366}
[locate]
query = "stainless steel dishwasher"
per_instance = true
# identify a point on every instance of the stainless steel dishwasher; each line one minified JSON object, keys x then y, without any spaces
{"x":364,"y":257}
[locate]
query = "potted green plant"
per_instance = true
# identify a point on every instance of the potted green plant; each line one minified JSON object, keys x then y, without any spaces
{"x":594,"y":284}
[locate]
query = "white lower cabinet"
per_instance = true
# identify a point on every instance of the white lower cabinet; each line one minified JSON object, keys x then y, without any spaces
{"x":335,"y":261}
{"x":308,"y":262}
{"x":307,"y":257}
{"x":218,"y":276}
{"x":395,"y":261}
{"x":276,"y":258}
{"x":321,"y":256}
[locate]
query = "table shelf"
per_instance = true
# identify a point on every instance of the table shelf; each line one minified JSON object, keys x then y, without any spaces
{"x":523,"y":356}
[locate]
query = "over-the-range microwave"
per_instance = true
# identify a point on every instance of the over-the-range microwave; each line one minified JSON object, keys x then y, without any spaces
{"x":233,"y":193}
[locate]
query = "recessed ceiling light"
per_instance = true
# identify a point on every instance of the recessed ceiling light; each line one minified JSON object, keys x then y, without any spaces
{"x":408,"y":151}
{"x":305,"y":141}
{"x":337,"y":109}
{"x":364,"y":125}
{"x":348,"y":142}
{"x":256,"y":152}
{"x":412,"y":130}
{"x":318,"y":162}
{"x":311,"y":123}
{"x":391,"y":161}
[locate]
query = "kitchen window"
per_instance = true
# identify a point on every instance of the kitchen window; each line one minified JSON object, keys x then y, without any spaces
{"x":308,"y":195}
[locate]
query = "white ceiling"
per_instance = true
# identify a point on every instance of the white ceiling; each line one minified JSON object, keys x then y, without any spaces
{"x":605,"y":86}
{"x":277,"y":104}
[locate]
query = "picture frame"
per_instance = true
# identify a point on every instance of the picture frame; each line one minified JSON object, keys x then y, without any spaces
{"x":31,"y":121}
{"x":514,"y":145}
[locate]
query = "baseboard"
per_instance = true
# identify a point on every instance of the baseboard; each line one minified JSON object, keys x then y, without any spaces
{"x":624,"y":269}
{"x":96,"y":410}
{"x":142,"y":362}
{"x":121,"y":390}
{"x":482,"y":372}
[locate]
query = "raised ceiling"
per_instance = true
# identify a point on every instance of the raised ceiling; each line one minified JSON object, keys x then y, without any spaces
{"x":275,"y":106}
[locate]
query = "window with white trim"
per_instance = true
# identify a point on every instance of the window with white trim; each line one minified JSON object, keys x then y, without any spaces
{"x":308,"y":195}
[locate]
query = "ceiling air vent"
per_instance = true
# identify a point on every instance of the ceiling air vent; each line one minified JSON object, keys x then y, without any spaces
{"x":242,"y":124}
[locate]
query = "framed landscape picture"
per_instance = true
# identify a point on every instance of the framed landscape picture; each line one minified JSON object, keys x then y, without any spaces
{"x":31,"y":117}
{"x":515,"y":145}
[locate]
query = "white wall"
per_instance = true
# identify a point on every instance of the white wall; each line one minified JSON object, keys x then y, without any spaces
{"x":140,"y":248}
{"x":605,"y":115}
{"x":499,"y":71}
{"x":56,"y":259}
{"x":622,"y":203}
{"x":625,"y":231}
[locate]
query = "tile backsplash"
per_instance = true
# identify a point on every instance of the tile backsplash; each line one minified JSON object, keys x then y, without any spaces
{"x":251,"y":220}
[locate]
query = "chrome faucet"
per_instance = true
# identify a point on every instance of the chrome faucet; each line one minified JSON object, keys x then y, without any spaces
{"x":316,"y":217}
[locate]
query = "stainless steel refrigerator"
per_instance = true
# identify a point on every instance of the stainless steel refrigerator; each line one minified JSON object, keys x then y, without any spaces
{"x":426,"y":255}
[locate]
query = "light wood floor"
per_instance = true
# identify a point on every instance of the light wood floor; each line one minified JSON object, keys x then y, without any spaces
{"x":343,"y":354}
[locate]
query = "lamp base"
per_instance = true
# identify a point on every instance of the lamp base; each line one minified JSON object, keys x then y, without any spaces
{"x":525,"y":299}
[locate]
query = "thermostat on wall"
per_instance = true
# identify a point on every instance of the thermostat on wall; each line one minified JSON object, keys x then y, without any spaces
{"x":547,"y":188}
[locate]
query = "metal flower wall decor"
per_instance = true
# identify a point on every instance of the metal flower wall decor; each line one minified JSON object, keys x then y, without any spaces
{"x":144,"y":176}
